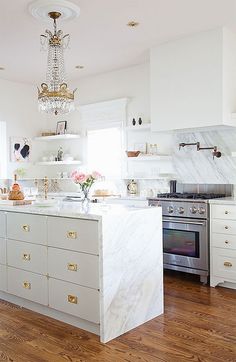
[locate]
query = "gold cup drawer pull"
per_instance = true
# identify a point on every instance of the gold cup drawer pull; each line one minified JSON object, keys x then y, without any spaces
{"x":228,"y":264}
{"x":26,"y":228}
{"x":226,"y":241}
{"x":26,"y":257}
{"x":72,"y":299}
{"x":226,"y":227}
{"x":26,"y":285}
{"x":71,"y":234}
{"x":72,"y":267}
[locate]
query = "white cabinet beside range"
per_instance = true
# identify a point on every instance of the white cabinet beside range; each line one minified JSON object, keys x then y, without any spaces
{"x":223,"y":244}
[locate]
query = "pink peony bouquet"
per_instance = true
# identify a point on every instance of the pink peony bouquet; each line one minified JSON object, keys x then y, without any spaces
{"x":85,"y":180}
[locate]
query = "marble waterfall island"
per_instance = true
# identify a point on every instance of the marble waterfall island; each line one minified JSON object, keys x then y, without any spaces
{"x":100,"y":269}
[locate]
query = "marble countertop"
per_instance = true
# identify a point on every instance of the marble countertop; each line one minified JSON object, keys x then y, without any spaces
{"x":224,"y":200}
{"x":76,"y":210}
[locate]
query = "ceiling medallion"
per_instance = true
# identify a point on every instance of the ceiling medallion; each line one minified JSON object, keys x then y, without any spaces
{"x":54,"y":97}
{"x":132,"y":24}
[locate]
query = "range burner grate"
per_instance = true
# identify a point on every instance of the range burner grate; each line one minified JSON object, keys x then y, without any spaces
{"x":189,"y":195}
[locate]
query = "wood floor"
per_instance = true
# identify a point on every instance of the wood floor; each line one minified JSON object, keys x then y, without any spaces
{"x":199,"y":324}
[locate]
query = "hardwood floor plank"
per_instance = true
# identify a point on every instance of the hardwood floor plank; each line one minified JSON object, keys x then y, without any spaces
{"x":199,"y":325}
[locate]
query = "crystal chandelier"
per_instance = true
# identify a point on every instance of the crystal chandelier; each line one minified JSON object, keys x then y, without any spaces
{"x":54,"y":95}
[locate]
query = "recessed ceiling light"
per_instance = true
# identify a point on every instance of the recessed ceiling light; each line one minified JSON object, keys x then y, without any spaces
{"x":79,"y":66}
{"x":2,"y":68}
{"x":132,"y":24}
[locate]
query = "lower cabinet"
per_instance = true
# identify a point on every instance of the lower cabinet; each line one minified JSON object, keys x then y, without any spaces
{"x":74,"y":267}
{"x":27,"y":256}
{"x":28,"y":285}
{"x":3,"y":278}
{"x":224,"y":263}
{"x":223,"y":245}
{"x":74,"y":299}
{"x":3,"y":251}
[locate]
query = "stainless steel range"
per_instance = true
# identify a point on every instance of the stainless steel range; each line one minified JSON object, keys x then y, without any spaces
{"x":186,"y":231}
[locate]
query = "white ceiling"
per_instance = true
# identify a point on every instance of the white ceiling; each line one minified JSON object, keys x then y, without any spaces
{"x":100,"y":39}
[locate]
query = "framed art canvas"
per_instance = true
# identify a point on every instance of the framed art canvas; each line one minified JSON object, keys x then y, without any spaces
{"x":20,"y":149}
{"x":61,"y":127}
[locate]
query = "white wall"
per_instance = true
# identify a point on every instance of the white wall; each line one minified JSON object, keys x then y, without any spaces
{"x":19,"y":109}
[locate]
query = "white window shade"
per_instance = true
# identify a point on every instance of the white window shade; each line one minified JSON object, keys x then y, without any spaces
{"x":104,"y":114}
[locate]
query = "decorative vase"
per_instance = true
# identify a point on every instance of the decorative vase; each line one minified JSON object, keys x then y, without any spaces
{"x":86,"y":195}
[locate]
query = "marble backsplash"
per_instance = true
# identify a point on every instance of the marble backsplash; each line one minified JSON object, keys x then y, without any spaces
{"x":199,"y":167}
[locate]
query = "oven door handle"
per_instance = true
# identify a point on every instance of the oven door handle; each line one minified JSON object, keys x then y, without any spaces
{"x":184,"y":222}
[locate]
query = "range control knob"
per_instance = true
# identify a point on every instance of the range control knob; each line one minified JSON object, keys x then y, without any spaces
{"x":201,"y":210}
{"x":180,"y":210}
{"x":170,"y":209}
{"x":193,"y":210}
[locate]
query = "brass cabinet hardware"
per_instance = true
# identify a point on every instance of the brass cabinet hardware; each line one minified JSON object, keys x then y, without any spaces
{"x":72,"y":234}
{"x":26,"y":228}
{"x":72,"y":299}
{"x":226,"y":227}
{"x":228,"y":264}
{"x":226,"y":212}
{"x":226,"y":242}
{"x":26,"y":257}
{"x":72,"y":267}
{"x":26,"y":285}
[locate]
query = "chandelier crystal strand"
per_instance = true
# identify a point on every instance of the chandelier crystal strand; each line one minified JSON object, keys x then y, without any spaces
{"x":54,"y":96}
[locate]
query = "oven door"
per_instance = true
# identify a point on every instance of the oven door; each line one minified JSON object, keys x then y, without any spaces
{"x":185,"y":243}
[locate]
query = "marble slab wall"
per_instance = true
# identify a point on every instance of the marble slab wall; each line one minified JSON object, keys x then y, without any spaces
{"x":199,"y":167}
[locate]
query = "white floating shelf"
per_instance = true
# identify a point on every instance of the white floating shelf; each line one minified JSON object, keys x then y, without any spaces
{"x":58,"y":163}
{"x":150,"y":158}
{"x":58,"y":137}
{"x":141,"y":127}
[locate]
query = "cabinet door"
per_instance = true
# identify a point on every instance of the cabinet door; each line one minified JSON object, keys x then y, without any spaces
{"x":227,"y":212}
{"x":3,"y":251}
{"x":73,"y":299}
{"x":73,"y":234}
{"x":2,"y":225}
{"x":27,"y":256}
{"x":224,"y":263}
{"x":78,"y":268}
{"x":227,"y":227}
{"x":27,"y":227}
{"x":186,"y":82}
{"x":3,"y":278}
{"x":28,"y":285}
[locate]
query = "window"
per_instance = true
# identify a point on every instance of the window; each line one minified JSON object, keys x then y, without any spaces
{"x":105,"y":151}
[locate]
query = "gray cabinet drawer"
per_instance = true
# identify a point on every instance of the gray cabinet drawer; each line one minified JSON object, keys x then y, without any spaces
{"x":73,"y":234}
{"x":227,"y":212}
{"x":28,"y":285}
{"x":27,"y":227}
{"x":224,"y":264}
{"x":26,"y":256}
{"x":70,"y":298}
{"x":3,"y":251}
{"x":2,"y":225}
{"x":74,"y":267}
{"x":224,"y":241}
{"x":3,"y":278}
{"x":227,"y":227}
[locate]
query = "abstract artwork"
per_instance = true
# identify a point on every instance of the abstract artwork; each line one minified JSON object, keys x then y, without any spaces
{"x":20,"y":149}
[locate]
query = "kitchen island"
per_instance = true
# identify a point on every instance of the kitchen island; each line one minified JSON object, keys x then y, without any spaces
{"x":99,"y":268}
